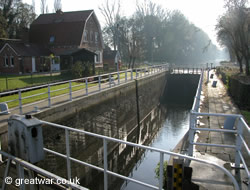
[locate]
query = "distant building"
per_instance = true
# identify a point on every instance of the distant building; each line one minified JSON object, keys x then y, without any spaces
{"x":111,"y":58}
{"x":56,"y":41}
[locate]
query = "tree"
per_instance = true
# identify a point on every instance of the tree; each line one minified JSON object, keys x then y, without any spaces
{"x":57,"y":5}
{"x":232,"y":30}
{"x":111,"y":14}
{"x":14,"y":17}
{"x":44,"y":7}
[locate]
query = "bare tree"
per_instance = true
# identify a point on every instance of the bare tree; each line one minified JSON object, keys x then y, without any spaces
{"x":57,"y":5}
{"x":232,"y":30}
{"x":44,"y":7}
{"x":111,"y":13}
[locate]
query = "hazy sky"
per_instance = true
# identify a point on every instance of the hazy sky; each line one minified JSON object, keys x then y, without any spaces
{"x":203,"y":13}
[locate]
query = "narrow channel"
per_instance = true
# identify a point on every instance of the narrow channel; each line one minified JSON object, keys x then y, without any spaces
{"x":162,"y":127}
{"x":170,"y":133}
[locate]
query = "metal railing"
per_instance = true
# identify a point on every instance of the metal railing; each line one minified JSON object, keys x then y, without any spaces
{"x":241,"y":124}
{"x":21,"y":164}
{"x":105,"y":169}
{"x":79,"y":87}
{"x":181,"y":70}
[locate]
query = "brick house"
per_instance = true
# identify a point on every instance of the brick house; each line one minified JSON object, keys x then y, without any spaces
{"x":17,"y":57}
{"x":61,"y":37}
{"x":74,"y":36}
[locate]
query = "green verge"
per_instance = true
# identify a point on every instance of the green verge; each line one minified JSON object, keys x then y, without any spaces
{"x":44,"y":92}
{"x":246,"y":115}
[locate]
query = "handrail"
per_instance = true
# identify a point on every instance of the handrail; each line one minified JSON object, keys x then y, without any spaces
{"x":195,"y":113}
{"x":96,"y":80}
{"x":105,"y":170}
{"x":39,"y":171}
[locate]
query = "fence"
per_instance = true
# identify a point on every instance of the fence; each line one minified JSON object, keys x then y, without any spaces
{"x":231,"y":118}
{"x":105,"y":167}
{"x":78,"y":87}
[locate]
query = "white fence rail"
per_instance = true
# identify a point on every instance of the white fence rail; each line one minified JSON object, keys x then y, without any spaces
{"x":241,"y":125}
{"x":85,"y":85}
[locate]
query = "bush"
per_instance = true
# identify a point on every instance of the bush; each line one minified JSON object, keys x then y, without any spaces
{"x":77,"y":69}
{"x":157,"y":173}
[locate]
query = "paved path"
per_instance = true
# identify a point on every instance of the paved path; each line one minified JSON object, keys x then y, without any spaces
{"x":216,"y":100}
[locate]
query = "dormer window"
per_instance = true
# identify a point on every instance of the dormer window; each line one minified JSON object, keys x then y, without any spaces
{"x":52,"y":39}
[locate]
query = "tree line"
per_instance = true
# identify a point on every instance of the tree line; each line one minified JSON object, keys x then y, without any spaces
{"x":16,"y":17}
{"x":155,"y":34}
{"x":233,"y":31}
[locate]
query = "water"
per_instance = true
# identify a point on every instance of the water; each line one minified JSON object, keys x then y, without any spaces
{"x":172,"y":130}
{"x":162,"y":127}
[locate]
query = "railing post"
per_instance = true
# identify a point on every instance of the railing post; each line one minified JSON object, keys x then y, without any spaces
{"x":238,"y":144}
{"x":105,"y":164}
{"x":132,"y":74}
{"x":20,"y":101}
{"x":70,"y":91}
{"x":126,"y":75}
{"x":161,"y":171}
{"x":207,"y":75}
{"x":109,"y":80}
{"x":68,"y":154}
{"x":86,"y":86}
{"x":49,"y":96}
{"x":99,"y":82}
{"x":192,"y":124}
{"x":118,"y":77}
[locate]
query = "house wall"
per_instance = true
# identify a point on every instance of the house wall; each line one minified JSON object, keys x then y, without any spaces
{"x":26,"y":63}
{"x":91,"y":44}
{"x":9,"y":53}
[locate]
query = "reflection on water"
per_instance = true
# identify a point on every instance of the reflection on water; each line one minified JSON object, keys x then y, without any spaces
{"x":172,"y":130}
{"x":162,"y":128}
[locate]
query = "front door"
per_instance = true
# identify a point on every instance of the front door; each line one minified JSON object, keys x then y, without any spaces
{"x":33,"y":64}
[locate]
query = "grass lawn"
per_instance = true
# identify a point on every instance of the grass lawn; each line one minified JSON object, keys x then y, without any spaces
{"x":11,"y":82}
{"x":44,"y":92}
{"x":246,"y":115}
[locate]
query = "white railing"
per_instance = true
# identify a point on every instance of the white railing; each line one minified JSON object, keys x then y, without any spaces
{"x":241,"y":124}
{"x":105,"y":170}
{"x":182,"y":70}
{"x":82,"y":86}
{"x":21,"y":164}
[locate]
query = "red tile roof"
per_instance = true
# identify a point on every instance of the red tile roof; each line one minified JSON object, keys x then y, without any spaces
{"x":76,"y":16}
{"x":65,"y":27}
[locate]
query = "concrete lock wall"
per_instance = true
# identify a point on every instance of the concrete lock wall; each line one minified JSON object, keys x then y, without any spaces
{"x":113,"y":112}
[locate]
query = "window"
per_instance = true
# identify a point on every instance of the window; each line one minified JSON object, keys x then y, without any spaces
{"x":52,"y":39}
{"x":96,"y":37}
{"x":85,"y":35}
{"x":6,"y":61}
{"x":98,"y":57}
{"x":12,"y":61}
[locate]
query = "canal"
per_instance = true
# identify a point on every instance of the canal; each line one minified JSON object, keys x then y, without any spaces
{"x":171,"y":130}
{"x":162,"y":127}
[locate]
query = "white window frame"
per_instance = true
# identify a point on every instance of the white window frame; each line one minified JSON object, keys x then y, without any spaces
{"x":6,"y":61}
{"x":98,"y":57}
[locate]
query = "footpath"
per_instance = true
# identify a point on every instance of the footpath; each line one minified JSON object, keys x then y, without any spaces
{"x":216,"y":100}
